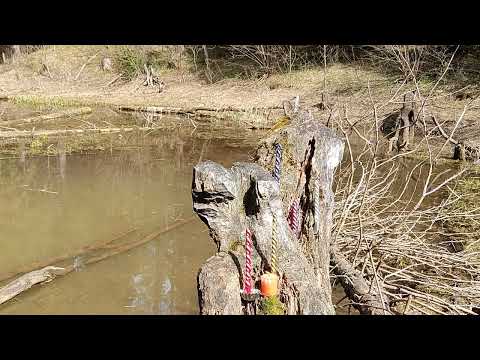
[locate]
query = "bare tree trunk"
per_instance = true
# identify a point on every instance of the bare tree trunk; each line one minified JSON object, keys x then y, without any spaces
{"x":208,"y":72}
{"x":15,"y":52}
{"x":10,"y":52}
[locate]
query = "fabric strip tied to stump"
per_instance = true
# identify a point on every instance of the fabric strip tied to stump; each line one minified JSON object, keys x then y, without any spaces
{"x":293,"y":217}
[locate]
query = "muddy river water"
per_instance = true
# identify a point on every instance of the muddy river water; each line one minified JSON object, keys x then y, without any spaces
{"x":53,"y":205}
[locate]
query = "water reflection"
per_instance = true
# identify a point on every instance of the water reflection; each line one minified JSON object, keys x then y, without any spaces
{"x":78,"y":263}
{"x":22,"y":151}
{"x":151,"y":286}
{"x":62,"y":158}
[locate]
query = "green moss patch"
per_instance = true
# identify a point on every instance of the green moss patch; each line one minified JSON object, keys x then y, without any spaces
{"x":272,"y":306}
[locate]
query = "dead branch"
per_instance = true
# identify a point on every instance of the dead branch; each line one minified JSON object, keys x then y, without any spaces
{"x":26,"y":281}
{"x":80,"y":252}
{"x":83,"y":66}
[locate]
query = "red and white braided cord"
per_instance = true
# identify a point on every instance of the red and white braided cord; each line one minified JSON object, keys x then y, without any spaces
{"x":247,"y":278}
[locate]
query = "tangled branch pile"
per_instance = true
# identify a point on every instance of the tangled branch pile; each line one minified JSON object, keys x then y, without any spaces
{"x":395,"y":217}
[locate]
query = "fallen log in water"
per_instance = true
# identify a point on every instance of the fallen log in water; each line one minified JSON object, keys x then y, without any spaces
{"x":25,"y":134}
{"x":56,"y":260}
{"x":262,"y":114}
{"x":191,"y":111}
{"x":245,"y":196}
{"x":26,"y":281}
{"x":47,"y":117}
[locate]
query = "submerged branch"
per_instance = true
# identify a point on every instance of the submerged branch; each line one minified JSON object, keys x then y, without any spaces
{"x":26,"y":281}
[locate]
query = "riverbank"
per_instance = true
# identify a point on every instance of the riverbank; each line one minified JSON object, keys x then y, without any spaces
{"x":59,"y":76}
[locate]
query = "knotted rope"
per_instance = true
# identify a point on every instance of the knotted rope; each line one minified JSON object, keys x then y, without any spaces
{"x":316,"y":206}
{"x":247,"y":277}
{"x":293,"y":217}
{"x":274,"y":245}
{"x":293,"y":214}
{"x":278,"y":162}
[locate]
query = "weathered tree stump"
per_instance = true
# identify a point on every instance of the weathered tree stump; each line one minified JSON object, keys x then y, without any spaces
{"x":106,"y":64}
{"x":246,"y":195}
{"x":220,"y":300}
{"x":399,"y":126}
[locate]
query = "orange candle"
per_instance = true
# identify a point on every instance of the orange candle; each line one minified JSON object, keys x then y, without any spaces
{"x":269,"y":284}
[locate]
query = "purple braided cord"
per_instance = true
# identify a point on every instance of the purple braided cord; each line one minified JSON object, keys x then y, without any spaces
{"x":278,"y":162}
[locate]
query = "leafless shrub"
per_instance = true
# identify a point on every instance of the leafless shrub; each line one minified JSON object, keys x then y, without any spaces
{"x":248,"y":61}
{"x":389,"y":215}
{"x":406,"y":59}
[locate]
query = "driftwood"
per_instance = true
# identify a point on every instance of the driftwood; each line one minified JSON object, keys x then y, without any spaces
{"x":47,"y":117}
{"x":45,"y":71}
{"x":113,"y":80}
{"x":467,"y":150}
{"x":97,"y":254}
{"x":26,"y":281}
{"x":246,"y":195}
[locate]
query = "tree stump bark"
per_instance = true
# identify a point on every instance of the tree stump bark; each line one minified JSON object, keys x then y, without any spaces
{"x":247,"y":195}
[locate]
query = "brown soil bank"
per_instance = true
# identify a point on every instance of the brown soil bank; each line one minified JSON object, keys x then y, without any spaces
{"x":72,"y":75}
